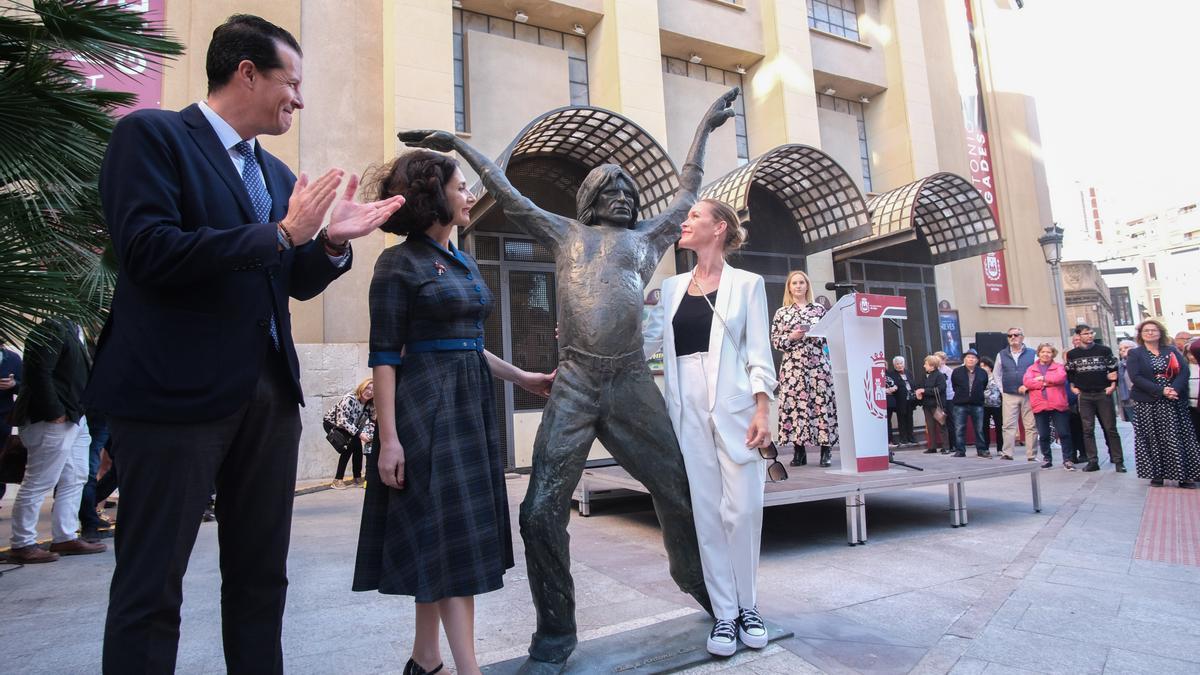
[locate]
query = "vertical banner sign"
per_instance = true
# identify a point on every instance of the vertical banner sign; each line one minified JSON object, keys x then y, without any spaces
{"x":137,"y":75}
{"x":966,"y":69}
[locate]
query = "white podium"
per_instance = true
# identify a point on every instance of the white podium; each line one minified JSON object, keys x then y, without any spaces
{"x":853,"y":329}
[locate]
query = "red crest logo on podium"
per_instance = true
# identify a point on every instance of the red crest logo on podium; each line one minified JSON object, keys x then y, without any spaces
{"x":875,"y":387}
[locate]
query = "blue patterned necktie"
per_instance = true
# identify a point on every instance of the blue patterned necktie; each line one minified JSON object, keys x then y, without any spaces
{"x":252,"y":178}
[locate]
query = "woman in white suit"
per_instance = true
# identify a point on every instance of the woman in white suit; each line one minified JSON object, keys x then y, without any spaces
{"x":712,"y":326}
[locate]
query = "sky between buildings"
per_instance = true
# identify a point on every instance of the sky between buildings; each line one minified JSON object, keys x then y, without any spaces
{"x":1117,"y":86}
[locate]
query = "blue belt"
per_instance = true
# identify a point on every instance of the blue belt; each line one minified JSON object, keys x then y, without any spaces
{"x":445,"y":345}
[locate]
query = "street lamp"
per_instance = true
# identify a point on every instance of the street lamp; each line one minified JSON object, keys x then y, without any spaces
{"x":1052,"y":242}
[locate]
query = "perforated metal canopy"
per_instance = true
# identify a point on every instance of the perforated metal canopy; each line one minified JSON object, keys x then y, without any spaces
{"x":943,"y":211}
{"x":809,"y":189}
{"x":549,"y":158}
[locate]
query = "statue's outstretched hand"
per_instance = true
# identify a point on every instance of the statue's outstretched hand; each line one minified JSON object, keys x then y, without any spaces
{"x":441,"y":141}
{"x":721,"y":109}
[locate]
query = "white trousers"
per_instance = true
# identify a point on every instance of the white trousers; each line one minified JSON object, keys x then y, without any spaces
{"x":58,"y":461}
{"x":1014,"y":406}
{"x":727,"y":499}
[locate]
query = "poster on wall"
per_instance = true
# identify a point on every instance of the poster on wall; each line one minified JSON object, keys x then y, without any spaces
{"x":140,"y":74}
{"x":951,"y":335}
{"x":965,"y":53}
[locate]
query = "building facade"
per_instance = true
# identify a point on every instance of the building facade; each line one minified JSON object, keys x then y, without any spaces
{"x":879,"y":142}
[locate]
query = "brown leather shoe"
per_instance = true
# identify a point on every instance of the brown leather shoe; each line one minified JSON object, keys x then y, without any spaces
{"x":77,"y":547}
{"x":31,"y":555}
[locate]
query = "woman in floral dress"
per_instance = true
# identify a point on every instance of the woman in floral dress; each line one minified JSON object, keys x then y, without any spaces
{"x":807,"y":410}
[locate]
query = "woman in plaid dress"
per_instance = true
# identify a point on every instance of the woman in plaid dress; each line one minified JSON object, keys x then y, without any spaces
{"x":435,"y":521}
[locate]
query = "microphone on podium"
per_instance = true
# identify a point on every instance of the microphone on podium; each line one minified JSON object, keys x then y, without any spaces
{"x":841,"y":286}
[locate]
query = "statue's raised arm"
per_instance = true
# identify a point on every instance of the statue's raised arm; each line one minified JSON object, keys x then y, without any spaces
{"x":547,"y":228}
{"x":663,"y":230}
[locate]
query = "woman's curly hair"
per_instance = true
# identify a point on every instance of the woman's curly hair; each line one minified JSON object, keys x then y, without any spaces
{"x":421,"y":177}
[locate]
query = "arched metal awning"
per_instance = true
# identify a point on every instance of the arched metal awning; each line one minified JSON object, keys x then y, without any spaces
{"x":944,"y":212}
{"x":549,"y":158}
{"x":795,"y":186}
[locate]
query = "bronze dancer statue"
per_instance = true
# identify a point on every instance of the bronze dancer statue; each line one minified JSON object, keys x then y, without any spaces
{"x":604,"y":388}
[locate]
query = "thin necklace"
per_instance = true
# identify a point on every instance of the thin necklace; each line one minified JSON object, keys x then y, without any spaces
{"x":696,"y":283}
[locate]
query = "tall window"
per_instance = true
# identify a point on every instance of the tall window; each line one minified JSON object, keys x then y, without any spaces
{"x":574,"y":45}
{"x":1157,"y":306}
{"x":1122,"y":309}
{"x":834,"y":16}
{"x":727,"y":78}
{"x":855,"y":109}
{"x":1152,"y":270}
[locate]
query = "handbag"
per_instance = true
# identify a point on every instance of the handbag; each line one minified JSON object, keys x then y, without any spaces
{"x":341,"y":439}
{"x":939,"y":412}
{"x":12,"y":460}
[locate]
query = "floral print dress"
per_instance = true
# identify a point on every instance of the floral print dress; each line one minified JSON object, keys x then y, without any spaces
{"x":807,"y":408}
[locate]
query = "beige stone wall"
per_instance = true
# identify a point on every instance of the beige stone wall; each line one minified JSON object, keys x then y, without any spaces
{"x":721,"y":30}
{"x":497,"y":68}
{"x":687,"y":99}
{"x":781,"y":99}
{"x":839,"y":140}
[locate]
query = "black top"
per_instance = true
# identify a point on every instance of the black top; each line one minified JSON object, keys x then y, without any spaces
{"x":964,"y":394}
{"x":56,"y":366}
{"x":692,"y":323}
{"x":1088,"y":367}
{"x":934,"y":385}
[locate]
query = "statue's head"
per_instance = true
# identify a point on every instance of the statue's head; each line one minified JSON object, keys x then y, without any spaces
{"x":608,"y":196}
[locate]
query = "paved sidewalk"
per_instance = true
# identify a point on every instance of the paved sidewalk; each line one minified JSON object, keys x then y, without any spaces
{"x":1060,"y":591}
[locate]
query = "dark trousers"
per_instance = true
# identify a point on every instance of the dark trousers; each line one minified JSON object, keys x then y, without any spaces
{"x":992,"y":418}
{"x":356,"y":453}
{"x":88,"y":520}
{"x":1076,"y":441}
{"x":936,"y":435}
{"x":962,"y":411}
{"x":167,"y":472}
{"x":616,"y":401}
{"x":1099,"y":406}
{"x":904,"y":423}
{"x":107,"y":483}
{"x":1062,"y":424}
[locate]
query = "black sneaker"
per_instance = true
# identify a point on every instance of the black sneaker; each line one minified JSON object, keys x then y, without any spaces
{"x":931,"y":451}
{"x":722,"y":641}
{"x":1092,"y":466}
{"x":1187,"y":485}
{"x":1156,"y":482}
{"x":1047,"y":464}
{"x":960,"y":454}
{"x":751,"y":629}
{"x":1121,"y":468}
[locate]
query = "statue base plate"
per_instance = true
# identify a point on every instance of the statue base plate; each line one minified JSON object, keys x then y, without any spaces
{"x":665,"y":648}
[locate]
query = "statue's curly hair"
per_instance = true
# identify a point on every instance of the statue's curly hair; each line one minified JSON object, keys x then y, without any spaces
{"x":421,"y":177}
{"x":595,"y":182}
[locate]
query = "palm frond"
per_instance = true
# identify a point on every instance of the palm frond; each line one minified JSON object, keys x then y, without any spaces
{"x":55,"y":257}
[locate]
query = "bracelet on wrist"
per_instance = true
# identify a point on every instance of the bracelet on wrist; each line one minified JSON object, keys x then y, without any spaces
{"x":285,"y":237}
{"x":330,"y":247}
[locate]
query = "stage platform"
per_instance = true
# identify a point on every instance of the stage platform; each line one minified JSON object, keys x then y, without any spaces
{"x":812,"y":483}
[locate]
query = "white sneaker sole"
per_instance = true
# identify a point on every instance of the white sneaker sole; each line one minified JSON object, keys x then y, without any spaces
{"x":752,"y":641}
{"x":722,"y":648}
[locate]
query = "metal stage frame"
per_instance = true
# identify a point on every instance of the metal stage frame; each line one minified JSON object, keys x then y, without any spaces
{"x":810,"y":484}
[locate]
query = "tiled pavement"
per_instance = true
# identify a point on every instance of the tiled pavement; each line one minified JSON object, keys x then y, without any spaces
{"x":1061,"y":591}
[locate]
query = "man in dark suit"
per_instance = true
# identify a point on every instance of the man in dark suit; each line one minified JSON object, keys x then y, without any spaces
{"x":196,"y":368}
{"x":969,"y":381}
{"x":50,"y":417}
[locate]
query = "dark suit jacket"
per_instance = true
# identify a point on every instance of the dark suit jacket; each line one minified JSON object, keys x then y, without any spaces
{"x":934,"y":385}
{"x":56,"y":371}
{"x":199,"y":277}
{"x":901,"y":399}
{"x":958,"y":381}
{"x":1141,"y":372}
{"x":9,"y":365}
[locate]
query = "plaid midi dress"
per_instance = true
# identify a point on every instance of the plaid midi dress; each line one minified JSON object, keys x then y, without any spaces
{"x":447,"y":533}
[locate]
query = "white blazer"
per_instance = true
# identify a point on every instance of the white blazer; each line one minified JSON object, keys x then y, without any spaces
{"x":737,"y":370}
